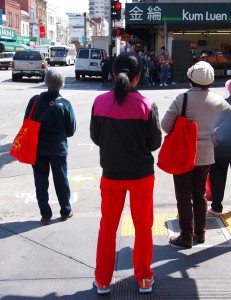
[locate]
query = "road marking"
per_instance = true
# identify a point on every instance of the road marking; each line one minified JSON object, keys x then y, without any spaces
{"x":91,"y":146}
{"x":31,"y":197}
{"x":82,"y":178}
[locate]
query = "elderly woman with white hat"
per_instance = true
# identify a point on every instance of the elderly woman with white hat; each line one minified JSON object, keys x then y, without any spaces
{"x":205,"y":108}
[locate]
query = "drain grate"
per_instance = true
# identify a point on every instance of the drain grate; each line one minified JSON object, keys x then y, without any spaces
{"x":127,"y":288}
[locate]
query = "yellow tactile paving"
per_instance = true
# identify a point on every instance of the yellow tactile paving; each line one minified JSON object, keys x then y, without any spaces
{"x":226,"y":218}
{"x":159,"y":227}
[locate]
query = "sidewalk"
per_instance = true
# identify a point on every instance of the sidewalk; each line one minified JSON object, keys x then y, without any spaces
{"x":218,"y":82}
{"x":58,"y":261}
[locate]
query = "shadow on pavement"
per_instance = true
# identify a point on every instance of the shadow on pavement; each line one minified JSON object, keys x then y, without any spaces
{"x":5,"y":155}
{"x":84,"y":295}
{"x":15,"y":228}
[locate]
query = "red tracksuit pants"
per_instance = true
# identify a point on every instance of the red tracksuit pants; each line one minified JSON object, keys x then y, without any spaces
{"x":113,"y":193}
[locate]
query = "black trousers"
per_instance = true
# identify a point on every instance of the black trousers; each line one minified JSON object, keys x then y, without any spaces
{"x":191,"y":203}
{"x":105,"y":76}
{"x":218,"y":176}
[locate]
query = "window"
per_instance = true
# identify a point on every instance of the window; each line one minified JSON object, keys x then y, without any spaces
{"x":34,"y":55}
{"x":10,"y":19}
{"x":83,"y":53}
{"x":95,"y":54}
{"x":32,"y":14}
{"x":21,"y":55}
{"x":17,"y":21}
{"x":9,"y":55}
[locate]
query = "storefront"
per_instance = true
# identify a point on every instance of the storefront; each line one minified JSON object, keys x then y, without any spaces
{"x":10,"y":42}
{"x":204,"y":27}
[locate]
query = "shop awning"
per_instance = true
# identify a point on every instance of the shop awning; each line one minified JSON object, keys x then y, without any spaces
{"x":12,"y":46}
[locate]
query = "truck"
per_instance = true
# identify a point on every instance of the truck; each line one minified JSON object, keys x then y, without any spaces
{"x":44,"y":49}
{"x":100,"y":42}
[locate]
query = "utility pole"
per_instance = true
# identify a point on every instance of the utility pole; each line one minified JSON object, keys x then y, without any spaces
{"x":110,"y":32}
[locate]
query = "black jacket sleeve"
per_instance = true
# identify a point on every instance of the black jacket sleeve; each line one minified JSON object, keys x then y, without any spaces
{"x":153,"y":131}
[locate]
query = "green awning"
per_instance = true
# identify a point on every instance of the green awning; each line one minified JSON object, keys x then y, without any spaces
{"x":12,"y":46}
{"x":5,"y":46}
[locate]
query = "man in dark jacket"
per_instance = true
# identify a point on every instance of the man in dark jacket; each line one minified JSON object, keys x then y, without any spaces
{"x":57,"y":124}
{"x":105,"y":67}
{"x":219,"y":170}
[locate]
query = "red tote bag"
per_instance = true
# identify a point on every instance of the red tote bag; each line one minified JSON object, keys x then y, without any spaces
{"x":24,"y":147}
{"x":177,"y":154}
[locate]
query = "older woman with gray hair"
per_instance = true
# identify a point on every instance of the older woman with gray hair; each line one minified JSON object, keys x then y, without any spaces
{"x":58,"y":122}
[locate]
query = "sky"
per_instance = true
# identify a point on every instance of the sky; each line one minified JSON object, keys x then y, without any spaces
{"x":78,"y":6}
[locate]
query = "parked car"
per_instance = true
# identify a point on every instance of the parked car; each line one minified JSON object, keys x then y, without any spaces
{"x":6,"y":60}
{"x":28,"y":63}
{"x":88,"y":62}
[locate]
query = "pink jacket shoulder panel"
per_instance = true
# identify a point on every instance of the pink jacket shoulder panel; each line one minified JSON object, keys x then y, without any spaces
{"x":135,"y":106}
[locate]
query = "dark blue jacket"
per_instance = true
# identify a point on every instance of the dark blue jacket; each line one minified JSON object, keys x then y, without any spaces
{"x":57,"y":122}
{"x":223,"y":133}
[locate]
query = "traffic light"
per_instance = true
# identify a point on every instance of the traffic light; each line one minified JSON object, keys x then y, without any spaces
{"x":118,"y":31}
{"x":116,"y":7}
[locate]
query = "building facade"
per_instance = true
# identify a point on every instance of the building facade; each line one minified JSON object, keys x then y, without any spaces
{"x":186,"y":29}
{"x":100,"y":9}
{"x":31,"y":22}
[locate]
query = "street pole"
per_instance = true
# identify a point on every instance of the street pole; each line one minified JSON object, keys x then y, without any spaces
{"x":110,"y":34}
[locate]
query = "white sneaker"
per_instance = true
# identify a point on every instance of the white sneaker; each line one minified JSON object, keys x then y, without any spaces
{"x":101,"y":289}
{"x":146,"y":285}
{"x":165,"y":84}
{"x":213,"y":212}
{"x":161,"y":84}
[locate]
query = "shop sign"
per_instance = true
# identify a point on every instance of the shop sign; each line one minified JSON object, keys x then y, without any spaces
{"x":0,"y":16}
{"x":7,"y":33}
{"x":178,"y":13}
{"x":42,"y":33}
{"x":76,"y":21}
{"x":22,"y":39}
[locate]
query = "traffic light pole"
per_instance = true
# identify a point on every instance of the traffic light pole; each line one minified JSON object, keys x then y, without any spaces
{"x":114,"y":15}
{"x":110,"y":36}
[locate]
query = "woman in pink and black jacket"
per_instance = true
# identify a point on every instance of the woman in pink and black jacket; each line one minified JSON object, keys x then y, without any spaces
{"x":125,"y":126}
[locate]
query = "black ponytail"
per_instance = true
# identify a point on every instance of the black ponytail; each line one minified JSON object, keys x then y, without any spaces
{"x":126,"y":67}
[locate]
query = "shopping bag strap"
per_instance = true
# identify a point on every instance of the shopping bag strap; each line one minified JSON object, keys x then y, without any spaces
{"x":183,"y":111}
{"x":33,"y":107}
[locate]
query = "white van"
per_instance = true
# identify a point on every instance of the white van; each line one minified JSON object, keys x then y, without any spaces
{"x":88,"y":62}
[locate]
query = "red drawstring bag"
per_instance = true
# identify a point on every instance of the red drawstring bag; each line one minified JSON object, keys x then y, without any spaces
{"x":208,"y":192}
{"x":177,"y":154}
{"x":24,"y":147}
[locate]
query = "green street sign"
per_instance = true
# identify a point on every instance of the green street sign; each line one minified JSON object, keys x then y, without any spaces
{"x":178,"y":13}
{"x":22,"y":39}
{"x":7,"y":33}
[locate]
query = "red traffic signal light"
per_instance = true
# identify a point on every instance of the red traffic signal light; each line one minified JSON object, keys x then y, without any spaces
{"x":118,"y":31}
{"x":117,"y":5}
{"x":116,"y":10}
